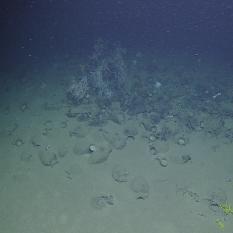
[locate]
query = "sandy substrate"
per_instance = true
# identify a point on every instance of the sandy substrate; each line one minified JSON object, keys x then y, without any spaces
{"x":56,"y":199}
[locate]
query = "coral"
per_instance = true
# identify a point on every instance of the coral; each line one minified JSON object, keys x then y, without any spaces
{"x":227,"y":208}
{"x":104,"y":78}
{"x":108,"y":72}
{"x":77,"y":91}
{"x":99,"y":81}
{"x":220,"y":224}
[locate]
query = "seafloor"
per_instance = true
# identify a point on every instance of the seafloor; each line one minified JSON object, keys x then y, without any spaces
{"x":164,"y":165}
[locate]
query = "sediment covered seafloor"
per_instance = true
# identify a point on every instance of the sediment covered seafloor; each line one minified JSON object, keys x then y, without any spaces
{"x":149,"y":153}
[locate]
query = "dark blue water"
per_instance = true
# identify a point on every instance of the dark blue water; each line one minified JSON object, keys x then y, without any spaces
{"x":32,"y":31}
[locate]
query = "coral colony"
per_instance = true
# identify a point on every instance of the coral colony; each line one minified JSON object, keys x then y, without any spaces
{"x":105,"y":77}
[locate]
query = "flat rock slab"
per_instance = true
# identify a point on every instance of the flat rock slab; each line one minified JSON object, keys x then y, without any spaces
{"x":116,"y":139}
{"x":101,"y":154}
{"x":140,"y":187}
{"x":47,"y":158}
{"x":102,"y":201}
{"x":120,"y":174}
{"x":82,"y":146}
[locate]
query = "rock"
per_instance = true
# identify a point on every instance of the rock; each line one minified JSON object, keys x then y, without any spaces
{"x":79,"y":132}
{"x":153,"y":150}
{"x":82,"y":146}
{"x":48,"y":158}
{"x":216,"y":198}
{"x":25,"y":156}
{"x":120,"y":174}
{"x":162,"y":161}
{"x":11,"y":129}
{"x":62,"y":152}
{"x":102,"y":201}
{"x":152,"y":138}
{"x":18,"y":142}
{"x":186,"y":158}
{"x":92,"y":148}
{"x":213,"y":125}
{"x":115,"y":139}
{"x":101,"y":154}
{"x":181,"y":141}
{"x":116,"y":115}
{"x":181,"y":159}
{"x":63,"y":124}
{"x":38,"y":139}
{"x":24,"y":107}
{"x":161,"y":146}
{"x":130,"y":129}
{"x":140,"y":187}
{"x":147,"y":124}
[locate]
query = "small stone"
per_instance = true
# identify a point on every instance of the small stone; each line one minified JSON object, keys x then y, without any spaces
{"x":25,"y":156}
{"x":120,"y":174}
{"x":98,"y":203}
{"x":24,"y":107}
{"x":82,"y":146}
{"x":92,"y":148}
{"x":47,"y":158}
{"x":62,"y":152}
{"x":100,"y":155}
{"x":102,"y":201}
{"x":153,"y":150}
{"x":152,"y":138}
{"x":181,"y":142}
{"x":162,"y":161}
{"x":18,"y":142}
{"x":186,"y":158}
{"x":157,"y":84}
{"x":140,"y":187}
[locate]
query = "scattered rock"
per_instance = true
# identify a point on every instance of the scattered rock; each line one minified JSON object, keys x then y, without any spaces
{"x":62,"y":151}
{"x":84,"y":116}
{"x":186,"y":158}
{"x":71,"y":114}
{"x":116,"y":117}
{"x":152,"y":138}
{"x":11,"y":129}
{"x":82,"y":146}
{"x":36,"y":140}
{"x":116,"y":114}
{"x":147,"y":124}
{"x":63,"y":124}
{"x":140,"y":187}
{"x":24,"y":107}
{"x":92,"y":148}
{"x":186,"y":192}
{"x":101,"y":154}
{"x":79,"y":132}
{"x":181,"y":159}
{"x":100,"y":118}
{"x":48,"y":158}
{"x":130,"y":129}
{"x":120,"y":174}
{"x":213,"y":125}
{"x":49,"y":125}
{"x":18,"y":142}
{"x":153,"y":150}
{"x":51,"y":106}
{"x":102,"y":201}
{"x":115,"y":139}
{"x":216,"y":198}
{"x":181,"y":141}
{"x":25,"y":156}
{"x":161,"y":146}
{"x":162,"y":161}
